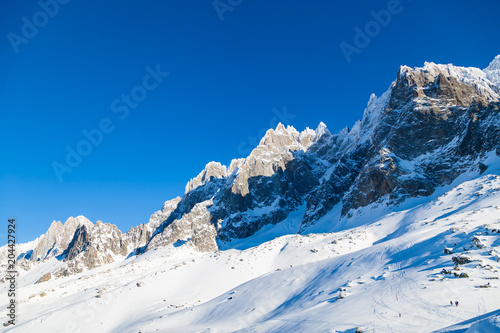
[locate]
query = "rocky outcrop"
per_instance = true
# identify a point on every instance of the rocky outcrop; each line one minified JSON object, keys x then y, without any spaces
{"x":194,"y":228}
{"x":92,"y":248}
{"x":44,"y":278}
{"x":212,"y":170}
{"x":448,"y":120}
{"x":139,"y":236}
{"x":103,"y":243}
{"x":58,"y":237}
{"x":273,"y":153}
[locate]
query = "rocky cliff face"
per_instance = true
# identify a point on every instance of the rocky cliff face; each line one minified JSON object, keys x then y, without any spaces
{"x":212,"y":170}
{"x":58,"y":236}
{"x":194,"y":228}
{"x":92,"y":245}
{"x":433,"y":124}
{"x":139,"y":236}
{"x":436,"y":123}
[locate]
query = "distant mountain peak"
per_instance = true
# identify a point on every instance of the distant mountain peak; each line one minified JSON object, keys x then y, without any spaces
{"x":58,"y":236}
{"x":493,"y":71}
{"x":321,"y":130}
{"x":494,"y":64}
{"x":280,"y":127}
{"x":211,"y":170}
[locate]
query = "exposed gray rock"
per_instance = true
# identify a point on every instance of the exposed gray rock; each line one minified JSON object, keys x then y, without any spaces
{"x":44,"y":278}
{"x":58,"y":236}
{"x":212,"y":170}
{"x":273,"y":153}
{"x":195,"y":228}
{"x":461,"y":260}
{"x":102,"y":243}
{"x":92,"y":248}
{"x":139,"y":236}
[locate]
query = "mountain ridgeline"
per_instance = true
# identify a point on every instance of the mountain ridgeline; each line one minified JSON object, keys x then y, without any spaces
{"x":432,"y":125}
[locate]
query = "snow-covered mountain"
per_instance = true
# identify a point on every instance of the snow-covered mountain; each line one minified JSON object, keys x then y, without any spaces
{"x":433,"y":124}
{"x":58,"y":237}
{"x":311,"y":224}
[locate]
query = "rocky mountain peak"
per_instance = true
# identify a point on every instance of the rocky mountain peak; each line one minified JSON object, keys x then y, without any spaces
{"x":288,"y":138}
{"x":58,"y":236}
{"x":321,"y":130}
{"x":280,"y":127}
{"x":212,"y":170}
{"x":235,"y":165}
{"x":56,"y":225}
{"x":495,"y":64}
{"x":274,"y":152}
{"x":161,"y":215}
{"x":79,"y":243}
{"x":493,"y":71}
{"x":74,"y":222}
{"x":170,"y":205}
{"x":101,"y":244}
{"x":321,"y":127}
{"x":279,"y":136}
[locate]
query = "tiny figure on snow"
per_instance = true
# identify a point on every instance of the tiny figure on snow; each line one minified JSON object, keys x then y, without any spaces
{"x":456,"y":303}
{"x":451,"y":303}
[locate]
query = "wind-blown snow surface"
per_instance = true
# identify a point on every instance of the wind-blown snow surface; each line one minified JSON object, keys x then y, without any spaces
{"x":362,"y":277}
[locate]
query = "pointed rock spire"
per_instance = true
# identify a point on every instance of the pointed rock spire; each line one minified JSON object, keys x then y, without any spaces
{"x":321,"y":130}
{"x":493,"y":71}
{"x":280,"y":127}
{"x":494,"y":64}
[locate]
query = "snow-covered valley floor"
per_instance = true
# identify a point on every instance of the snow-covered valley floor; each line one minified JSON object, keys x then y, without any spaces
{"x":388,"y":274}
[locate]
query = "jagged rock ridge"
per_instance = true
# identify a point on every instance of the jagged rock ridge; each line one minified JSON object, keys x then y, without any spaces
{"x":447,"y":118}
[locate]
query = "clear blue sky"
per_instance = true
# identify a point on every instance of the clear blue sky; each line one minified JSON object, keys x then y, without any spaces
{"x":225,"y":78}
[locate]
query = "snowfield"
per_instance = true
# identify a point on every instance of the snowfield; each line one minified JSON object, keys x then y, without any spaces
{"x":378,"y":271}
